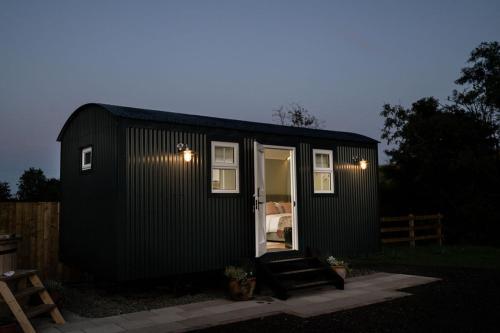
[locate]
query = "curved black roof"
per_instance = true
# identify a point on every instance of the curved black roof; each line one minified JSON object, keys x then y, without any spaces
{"x":205,"y":121}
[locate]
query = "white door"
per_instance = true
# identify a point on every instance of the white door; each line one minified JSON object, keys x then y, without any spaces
{"x":260,"y":200}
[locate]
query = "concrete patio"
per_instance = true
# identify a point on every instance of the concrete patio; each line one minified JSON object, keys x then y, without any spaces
{"x":359,"y":291}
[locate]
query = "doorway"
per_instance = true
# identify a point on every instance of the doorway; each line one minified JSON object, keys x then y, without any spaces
{"x":275,"y":199}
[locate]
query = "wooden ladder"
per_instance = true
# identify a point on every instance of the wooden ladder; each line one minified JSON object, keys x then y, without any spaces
{"x":15,"y":288}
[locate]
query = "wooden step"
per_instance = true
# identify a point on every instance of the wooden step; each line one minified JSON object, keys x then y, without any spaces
{"x":290,"y":260}
{"x":28,"y":291}
{"x":299,"y":271}
{"x":19,"y":274}
{"x":39,"y":309}
{"x":309,"y":285}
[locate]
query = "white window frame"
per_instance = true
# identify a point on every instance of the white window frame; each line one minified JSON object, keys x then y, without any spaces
{"x":324,"y":170}
{"x":223,"y":165}
{"x":87,"y":166}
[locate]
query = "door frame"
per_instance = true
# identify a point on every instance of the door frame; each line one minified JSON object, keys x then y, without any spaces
{"x":293,"y":194}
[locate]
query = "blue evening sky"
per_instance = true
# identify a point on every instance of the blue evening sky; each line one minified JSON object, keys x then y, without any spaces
{"x":232,"y":59}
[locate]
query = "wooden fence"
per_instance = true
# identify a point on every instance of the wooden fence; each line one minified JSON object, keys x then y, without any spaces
{"x":38,"y":225}
{"x":415,"y":228}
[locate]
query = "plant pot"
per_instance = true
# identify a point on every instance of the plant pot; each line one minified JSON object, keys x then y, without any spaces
{"x":341,"y":271}
{"x":242,"y":290}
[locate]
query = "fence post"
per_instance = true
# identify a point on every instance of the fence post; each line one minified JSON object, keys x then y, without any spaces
{"x":412,"y":229}
{"x":439,"y":230}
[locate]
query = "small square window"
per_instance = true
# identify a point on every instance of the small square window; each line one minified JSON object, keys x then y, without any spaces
{"x":86,"y":158}
{"x":225,"y":168}
{"x":323,"y":171}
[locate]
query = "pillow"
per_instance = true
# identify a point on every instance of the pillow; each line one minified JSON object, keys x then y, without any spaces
{"x":287,"y":207}
{"x":271,"y":208}
{"x":279,"y":207}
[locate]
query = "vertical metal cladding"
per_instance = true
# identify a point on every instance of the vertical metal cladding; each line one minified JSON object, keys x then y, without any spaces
{"x":143,"y":212}
{"x":173,"y":224}
{"x":346,"y":222}
{"x":89,"y":199}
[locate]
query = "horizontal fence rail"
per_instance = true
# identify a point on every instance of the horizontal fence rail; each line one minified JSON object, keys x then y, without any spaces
{"x":38,"y":225}
{"x":408,"y":229}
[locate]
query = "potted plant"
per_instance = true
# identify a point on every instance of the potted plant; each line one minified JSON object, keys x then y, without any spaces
{"x":339,"y":266}
{"x":241,"y":283}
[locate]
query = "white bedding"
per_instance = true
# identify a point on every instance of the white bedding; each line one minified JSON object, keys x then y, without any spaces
{"x":273,"y":220}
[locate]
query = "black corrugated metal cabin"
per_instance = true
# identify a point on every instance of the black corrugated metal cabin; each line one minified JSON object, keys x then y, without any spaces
{"x":134,"y":207}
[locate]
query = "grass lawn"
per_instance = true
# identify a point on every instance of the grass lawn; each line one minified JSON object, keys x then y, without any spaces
{"x":445,"y":256}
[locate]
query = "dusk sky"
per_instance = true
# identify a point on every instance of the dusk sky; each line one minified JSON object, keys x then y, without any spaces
{"x":231,"y":59}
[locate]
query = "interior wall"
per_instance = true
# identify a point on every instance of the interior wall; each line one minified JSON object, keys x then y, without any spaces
{"x":277,"y":177}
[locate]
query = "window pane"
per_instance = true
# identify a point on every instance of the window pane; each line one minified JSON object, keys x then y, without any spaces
{"x":322,"y":161}
{"x":87,"y":158}
{"x":219,"y":154}
{"x":223,"y":179}
{"x":229,"y":155}
{"x":322,"y":181}
{"x":224,"y":154}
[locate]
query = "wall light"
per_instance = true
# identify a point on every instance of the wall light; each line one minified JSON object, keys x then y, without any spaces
{"x":185,"y":151}
{"x":363,"y":164}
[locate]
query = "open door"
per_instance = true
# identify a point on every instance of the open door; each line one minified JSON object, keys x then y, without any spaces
{"x":259,"y":200}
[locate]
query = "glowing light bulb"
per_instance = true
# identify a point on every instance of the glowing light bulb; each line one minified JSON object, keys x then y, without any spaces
{"x":188,"y":155}
{"x":363,"y":164}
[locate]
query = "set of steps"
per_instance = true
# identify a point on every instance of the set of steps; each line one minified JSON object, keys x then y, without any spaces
{"x":299,"y":272}
{"x":14,"y":291}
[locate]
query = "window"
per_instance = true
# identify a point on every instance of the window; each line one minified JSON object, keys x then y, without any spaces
{"x":86,"y":158}
{"x":225,"y":173}
{"x":323,"y":171}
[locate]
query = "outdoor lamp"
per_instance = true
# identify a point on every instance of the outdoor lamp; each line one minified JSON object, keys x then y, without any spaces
{"x":186,"y":152}
{"x":363,"y":164}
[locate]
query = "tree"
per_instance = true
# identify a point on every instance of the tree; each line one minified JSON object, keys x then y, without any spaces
{"x":481,"y":81}
{"x":5,"y":191}
{"x":297,"y":116}
{"x":442,"y":159}
{"x":34,"y":186}
{"x":52,"y":190}
{"x":31,"y":185}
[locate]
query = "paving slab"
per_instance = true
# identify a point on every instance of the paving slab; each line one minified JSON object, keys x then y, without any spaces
{"x":75,"y":326}
{"x":107,"y":320}
{"x":359,"y":291}
{"x":133,"y":324}
{"x":48,"y":330}
{"x":141,"y":315}
{"x":231,"y":307}
{"x":166,"y":318}
{"x":106,"y":328}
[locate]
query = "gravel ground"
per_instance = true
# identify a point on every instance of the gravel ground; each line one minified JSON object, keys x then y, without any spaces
{"x":466,"y":300}
{"x":89,"y":301}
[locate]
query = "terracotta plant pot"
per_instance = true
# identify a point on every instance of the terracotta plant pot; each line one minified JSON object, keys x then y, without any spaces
{"x":341,"y":271}
{"x":242,"y":290}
